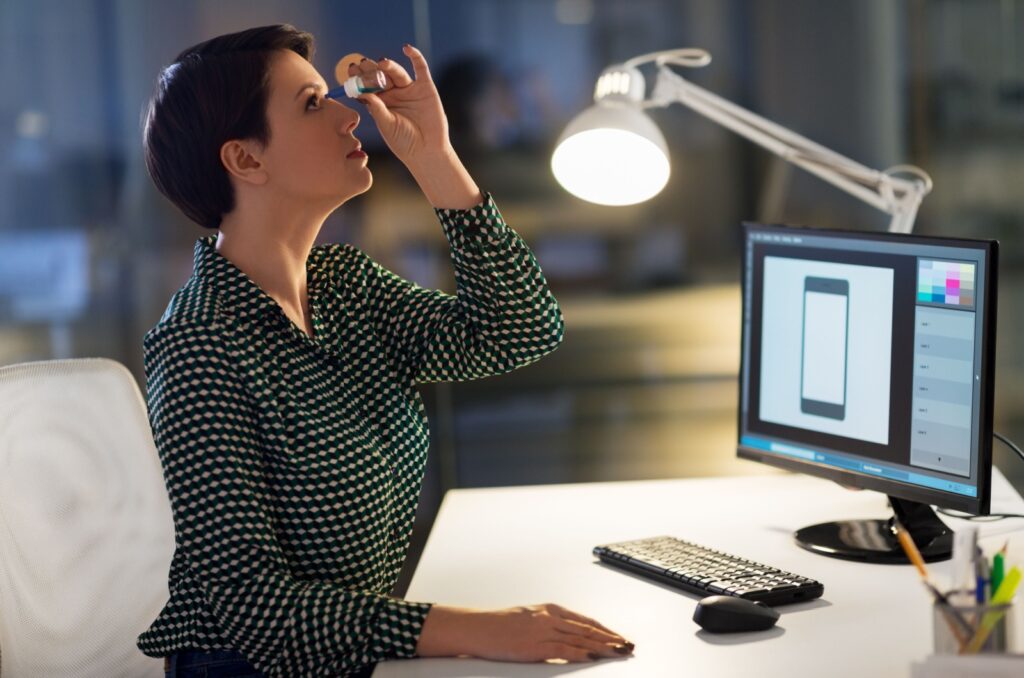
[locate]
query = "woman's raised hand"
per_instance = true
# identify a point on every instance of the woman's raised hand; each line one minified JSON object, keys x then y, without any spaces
{"x":408,"y":112}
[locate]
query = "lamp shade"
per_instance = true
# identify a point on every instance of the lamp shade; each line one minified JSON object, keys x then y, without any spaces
{"x":611,"y":154}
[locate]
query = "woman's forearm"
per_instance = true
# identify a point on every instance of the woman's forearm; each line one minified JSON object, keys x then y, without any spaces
{"x":444,"y":632}
{"x":445,"y":181}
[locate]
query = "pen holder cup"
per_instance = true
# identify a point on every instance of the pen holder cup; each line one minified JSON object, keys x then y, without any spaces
{"x":980,"y":628}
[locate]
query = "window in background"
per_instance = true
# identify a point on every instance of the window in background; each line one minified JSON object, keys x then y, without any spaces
{"x":644,"y":385}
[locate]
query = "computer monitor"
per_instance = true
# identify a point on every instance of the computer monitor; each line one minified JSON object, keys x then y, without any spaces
{"x":867,"y":359}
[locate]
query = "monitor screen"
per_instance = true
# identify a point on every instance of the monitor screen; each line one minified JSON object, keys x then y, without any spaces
{"x":867,"y":358}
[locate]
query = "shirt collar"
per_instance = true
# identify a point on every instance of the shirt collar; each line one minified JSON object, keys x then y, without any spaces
{"x":237,"y":291}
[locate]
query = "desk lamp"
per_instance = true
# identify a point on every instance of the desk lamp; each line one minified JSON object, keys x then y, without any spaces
{"x":613,"y":154}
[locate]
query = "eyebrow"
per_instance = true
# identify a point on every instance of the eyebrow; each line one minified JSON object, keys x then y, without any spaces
{"x":308,"y":85}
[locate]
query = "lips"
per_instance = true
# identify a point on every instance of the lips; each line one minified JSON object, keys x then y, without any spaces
{"x":358,"y":153}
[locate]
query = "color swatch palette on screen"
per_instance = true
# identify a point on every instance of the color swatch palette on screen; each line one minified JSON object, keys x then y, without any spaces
{"x":945,"y":282}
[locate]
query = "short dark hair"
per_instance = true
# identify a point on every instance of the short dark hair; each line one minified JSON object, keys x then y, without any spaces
{"x":213,"y":92}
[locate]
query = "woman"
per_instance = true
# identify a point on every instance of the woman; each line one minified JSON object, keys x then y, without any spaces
{"x":282,"y":377}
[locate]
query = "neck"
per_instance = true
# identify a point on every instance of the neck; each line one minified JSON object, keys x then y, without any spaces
{"x":270,"y":243}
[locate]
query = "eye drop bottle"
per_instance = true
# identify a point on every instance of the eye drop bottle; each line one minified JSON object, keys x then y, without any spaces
{"x":365,"y":83}
{"x":356,"y":85}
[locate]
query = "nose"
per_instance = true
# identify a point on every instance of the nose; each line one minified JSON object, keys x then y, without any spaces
{"x":353,"y":124}
{"x":349,"y":118}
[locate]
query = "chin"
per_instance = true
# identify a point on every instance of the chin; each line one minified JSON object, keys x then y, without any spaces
{"x":365,"y":186}
{"x":354,"y":188}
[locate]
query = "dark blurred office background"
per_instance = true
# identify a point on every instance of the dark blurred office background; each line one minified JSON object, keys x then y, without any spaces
{"x":644,"y":385}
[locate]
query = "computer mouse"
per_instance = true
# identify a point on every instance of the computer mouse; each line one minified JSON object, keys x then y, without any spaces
{"x":729,"y":614}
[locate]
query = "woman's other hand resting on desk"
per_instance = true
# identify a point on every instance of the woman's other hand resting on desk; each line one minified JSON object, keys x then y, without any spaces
{"x":533,"y":633}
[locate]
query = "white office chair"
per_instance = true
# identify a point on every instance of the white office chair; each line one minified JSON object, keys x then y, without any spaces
{"x":86,"y":534}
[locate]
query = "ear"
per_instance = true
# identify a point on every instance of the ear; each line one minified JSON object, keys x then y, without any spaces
{"x":242,"y":159}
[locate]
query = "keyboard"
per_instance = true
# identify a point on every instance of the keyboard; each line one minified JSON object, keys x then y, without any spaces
{"x":706,"y":572}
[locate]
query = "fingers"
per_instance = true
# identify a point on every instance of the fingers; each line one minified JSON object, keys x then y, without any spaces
{"x":579,"y":651}
{"x":588,"y":631}
{"x":596,"y":640}
{"x":368,"y":66}
{"x":398,"y":75}
{"x":600,"y":648}
{"x":577,"y":617}
{"x":419,"y":63}
{"x":395,"y":75}
{"x":582,"y":631}
{"x":570,"y":653}
{"x":364,"y":65}
{"x":378,"y":111}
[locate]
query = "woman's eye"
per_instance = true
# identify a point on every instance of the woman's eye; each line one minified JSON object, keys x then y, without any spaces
{"x":311,"y":101}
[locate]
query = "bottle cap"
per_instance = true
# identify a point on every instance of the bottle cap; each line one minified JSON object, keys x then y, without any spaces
{"x":365,"y":83}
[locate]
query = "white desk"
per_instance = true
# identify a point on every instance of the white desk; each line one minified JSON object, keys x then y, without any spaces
{"x":501,"y":547}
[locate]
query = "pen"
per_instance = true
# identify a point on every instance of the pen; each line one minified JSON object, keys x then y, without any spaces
{"x":980,"y":572}
{"x":997,"y":572}
{"x":988,"y":622}
{"x":954,"y":619}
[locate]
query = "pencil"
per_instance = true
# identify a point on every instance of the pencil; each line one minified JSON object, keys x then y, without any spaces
{"x":1002,"y":597}
{"x":910,"y":548}
{"x":957,"y":624}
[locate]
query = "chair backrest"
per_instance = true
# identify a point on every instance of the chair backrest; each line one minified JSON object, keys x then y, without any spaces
{"x":86,"y":533}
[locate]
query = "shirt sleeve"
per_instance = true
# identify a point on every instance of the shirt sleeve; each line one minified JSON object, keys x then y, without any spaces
{"x":204,"y":424}
{"x":501,"y":317}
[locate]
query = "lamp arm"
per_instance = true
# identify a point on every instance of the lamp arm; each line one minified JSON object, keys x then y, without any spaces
{"x":896,"y":196}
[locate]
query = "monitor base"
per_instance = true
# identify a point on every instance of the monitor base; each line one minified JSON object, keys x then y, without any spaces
{"x":874,"y":541}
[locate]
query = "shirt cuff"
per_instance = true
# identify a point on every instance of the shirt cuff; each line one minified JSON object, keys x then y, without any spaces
{"x":400,"y":625}
{"x":480,"y":221}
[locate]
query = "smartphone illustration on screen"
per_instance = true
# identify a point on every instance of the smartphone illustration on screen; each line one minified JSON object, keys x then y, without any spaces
{"x":823,"y":353}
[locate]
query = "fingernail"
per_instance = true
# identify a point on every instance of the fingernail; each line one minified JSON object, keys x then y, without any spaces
{"x":362,"y":60}
{"x":630,"y":646}
{"x":622,"y":649}
{"x":593,"y":655}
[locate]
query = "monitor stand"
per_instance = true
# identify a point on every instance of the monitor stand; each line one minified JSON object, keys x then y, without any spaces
{"x":874,"y":541}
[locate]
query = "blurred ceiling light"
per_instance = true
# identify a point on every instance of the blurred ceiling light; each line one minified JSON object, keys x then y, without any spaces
{"x":613,"y":154}
{"x":574,"y":12}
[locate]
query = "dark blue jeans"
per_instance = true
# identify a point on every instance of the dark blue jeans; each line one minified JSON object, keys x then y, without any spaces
{"x":222,"y":664}
{"x":213,"y":664}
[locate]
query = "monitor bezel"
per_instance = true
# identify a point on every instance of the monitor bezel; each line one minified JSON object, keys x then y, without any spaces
{"x":980,"y":505}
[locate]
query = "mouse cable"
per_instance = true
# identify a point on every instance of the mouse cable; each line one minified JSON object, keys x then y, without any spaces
{"x":992,"y":517}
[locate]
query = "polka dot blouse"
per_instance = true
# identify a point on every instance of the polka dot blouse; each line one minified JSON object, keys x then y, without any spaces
{"x":294,"y":463}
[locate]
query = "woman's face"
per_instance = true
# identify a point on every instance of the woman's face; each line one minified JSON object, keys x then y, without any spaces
{"x":310,"y":137}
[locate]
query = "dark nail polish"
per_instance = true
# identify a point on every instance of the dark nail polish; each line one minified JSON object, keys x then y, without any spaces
{"x":593,"y":655}
{"x":622,"y":649}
